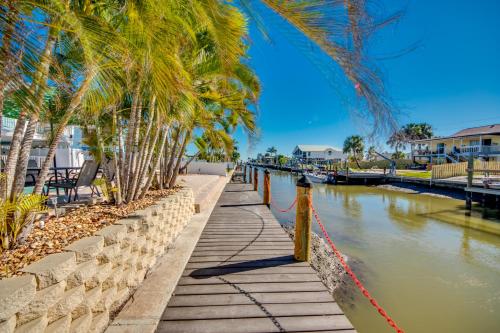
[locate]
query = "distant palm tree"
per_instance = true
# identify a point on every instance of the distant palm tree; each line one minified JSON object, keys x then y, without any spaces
{"x":371,"y":154}
{"x":272,"y":150}
{"x":354,"y":145}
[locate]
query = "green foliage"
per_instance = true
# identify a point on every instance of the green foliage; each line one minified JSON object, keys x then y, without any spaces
{"x":282,"y":159}
{"x":18,"y":214}
{"x":407,"y":133}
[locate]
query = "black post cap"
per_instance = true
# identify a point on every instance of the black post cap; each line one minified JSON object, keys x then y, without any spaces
{"x":304,"y":182}
{"x":267,"y":171}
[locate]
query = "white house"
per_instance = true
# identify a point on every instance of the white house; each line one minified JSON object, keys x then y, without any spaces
{"x":70,"y":151}
{"x":318,"y":153}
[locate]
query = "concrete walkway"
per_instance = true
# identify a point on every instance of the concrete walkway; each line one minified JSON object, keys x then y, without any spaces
{"x":242,"y":277}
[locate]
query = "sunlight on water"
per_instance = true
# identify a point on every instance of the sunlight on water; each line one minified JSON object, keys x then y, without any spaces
{"x":429,"y":273}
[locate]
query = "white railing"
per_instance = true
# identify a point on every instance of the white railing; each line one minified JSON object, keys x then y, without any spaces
{"x":470,"y":149}
{"x":9,"y":124}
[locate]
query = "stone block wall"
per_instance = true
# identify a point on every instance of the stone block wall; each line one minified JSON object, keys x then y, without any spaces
{"x":77,"y":290}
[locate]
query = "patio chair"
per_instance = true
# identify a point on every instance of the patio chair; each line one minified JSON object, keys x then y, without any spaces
{"x":84,"y":178}
{"x":32,"y":175}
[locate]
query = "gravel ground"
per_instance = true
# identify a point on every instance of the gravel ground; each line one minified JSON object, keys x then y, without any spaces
{"x":59,"y":232}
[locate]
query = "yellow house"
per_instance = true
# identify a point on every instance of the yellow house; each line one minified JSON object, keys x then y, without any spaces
{"x":482,"y":142}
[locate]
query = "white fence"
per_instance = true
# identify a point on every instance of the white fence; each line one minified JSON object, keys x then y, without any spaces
{"x":206,"y":168}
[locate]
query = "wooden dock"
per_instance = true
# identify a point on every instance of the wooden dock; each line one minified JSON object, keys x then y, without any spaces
{"x":242,"y":277}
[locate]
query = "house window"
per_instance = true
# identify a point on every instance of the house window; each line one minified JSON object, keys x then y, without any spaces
{"x":330,"y":152}
{"x":474,"y":142}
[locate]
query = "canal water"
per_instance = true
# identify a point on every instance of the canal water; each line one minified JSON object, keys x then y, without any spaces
{"x":429,"y":274}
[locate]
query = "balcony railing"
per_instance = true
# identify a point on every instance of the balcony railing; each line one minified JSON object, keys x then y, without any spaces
{"x":476,"y":149}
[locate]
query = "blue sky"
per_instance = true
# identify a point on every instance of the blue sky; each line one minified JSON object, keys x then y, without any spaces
{"x":452,"y":80}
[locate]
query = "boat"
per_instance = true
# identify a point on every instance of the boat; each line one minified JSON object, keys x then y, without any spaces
{"x":316,"y":177}
{"x":492,"y":183}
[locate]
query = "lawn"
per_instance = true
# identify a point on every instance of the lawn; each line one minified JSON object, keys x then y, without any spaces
{"x":414,"y":174}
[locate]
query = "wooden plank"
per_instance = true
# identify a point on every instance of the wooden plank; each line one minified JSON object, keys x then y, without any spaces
{"x":231,"y":259}
{"x":242,"y":264}
{"x":226,"y":288}
{"x":251,"y":311}
{"x":257,"y":325}
{"x":264,"y":298}
{"x":243,"y":270}
{"x":232,"y":252}
{"x":244,"y":279}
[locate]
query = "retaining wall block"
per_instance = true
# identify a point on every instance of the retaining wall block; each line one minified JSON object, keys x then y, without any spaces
{"x":15,"y":294}
{"x":113,"y":234}
{"x":103,"y":272}
{"x":35,"y":326}
{"x":43,"y":300}
{"x":107,"y":298}
{"x":8,"y":325}
{"x":93,"y":296}
{"x":74,"y":291}
{"x":61,"y":325}
{"x":81,"y":324}
{"x":99,"y":322}
{"x":87,"y":248}
{"x":52,"y":269}
{"x":83,"y":273}
{"x":110,"y":254}
{"x":69,"y":301}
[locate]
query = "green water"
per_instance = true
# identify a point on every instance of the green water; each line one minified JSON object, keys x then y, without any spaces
{"x":431,"y":275}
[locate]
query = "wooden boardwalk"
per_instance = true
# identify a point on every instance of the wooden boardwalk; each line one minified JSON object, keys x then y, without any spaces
{"x":242,"y":277}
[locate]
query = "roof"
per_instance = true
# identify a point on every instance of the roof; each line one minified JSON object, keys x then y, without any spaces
{"x":316,"y":147}
{"x":472,"y":131}
{"x":488,"y":129}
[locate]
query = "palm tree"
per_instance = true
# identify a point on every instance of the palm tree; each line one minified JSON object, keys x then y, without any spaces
{"x":354,"y":146}
{"x":110,"y":57}
{"x":371,"y":154}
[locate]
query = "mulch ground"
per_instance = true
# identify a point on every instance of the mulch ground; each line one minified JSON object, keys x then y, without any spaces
{"x":59,"y":232}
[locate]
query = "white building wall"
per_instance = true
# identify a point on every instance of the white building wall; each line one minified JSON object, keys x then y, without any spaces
{"x":206,"y":168}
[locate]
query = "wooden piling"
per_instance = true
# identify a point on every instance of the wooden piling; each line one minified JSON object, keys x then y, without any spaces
{"x":245,"y":173}
{"x":267,"y":188}
{"x":303,"y":220}
{"x":470,"y":175}
{"x":250,"y":175}
{"x":255,"y":179}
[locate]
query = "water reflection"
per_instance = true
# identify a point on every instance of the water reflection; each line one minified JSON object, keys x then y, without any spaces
{"x":414,"y":254}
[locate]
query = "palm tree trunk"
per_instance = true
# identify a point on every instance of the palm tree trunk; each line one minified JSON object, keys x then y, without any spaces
{"x":129,"y":141}
{"x":19,"y":150}
{"x":118,"y":193}
{"x":143,"y":152}
{"x":168,"y":171}
{"x":72,"y":107}
{"x":24,"y":155}
{"x":191,"y":159}
{"x":132,"y":170}
{"x":147,"y":163}
{"x":179,"y":158}
{"x":12,"y":155}
{"x":155,"y":165}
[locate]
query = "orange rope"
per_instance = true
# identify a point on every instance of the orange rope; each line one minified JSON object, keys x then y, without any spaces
{"x":353,"y":276}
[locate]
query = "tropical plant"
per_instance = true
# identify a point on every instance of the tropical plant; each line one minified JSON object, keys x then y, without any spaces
{"x":17,"y":217}
{"x":354,"y":146}
{"x":407,"y":133}
{"x":371,"y":154}
{"x":282,"y":159}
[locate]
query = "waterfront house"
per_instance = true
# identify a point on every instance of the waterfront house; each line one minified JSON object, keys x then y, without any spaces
{"x":70,"y":151}
{"x":317,"y":154}
{"x":482,"y":142}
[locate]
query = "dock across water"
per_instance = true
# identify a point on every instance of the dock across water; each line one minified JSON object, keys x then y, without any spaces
{"x":242,"y":277}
